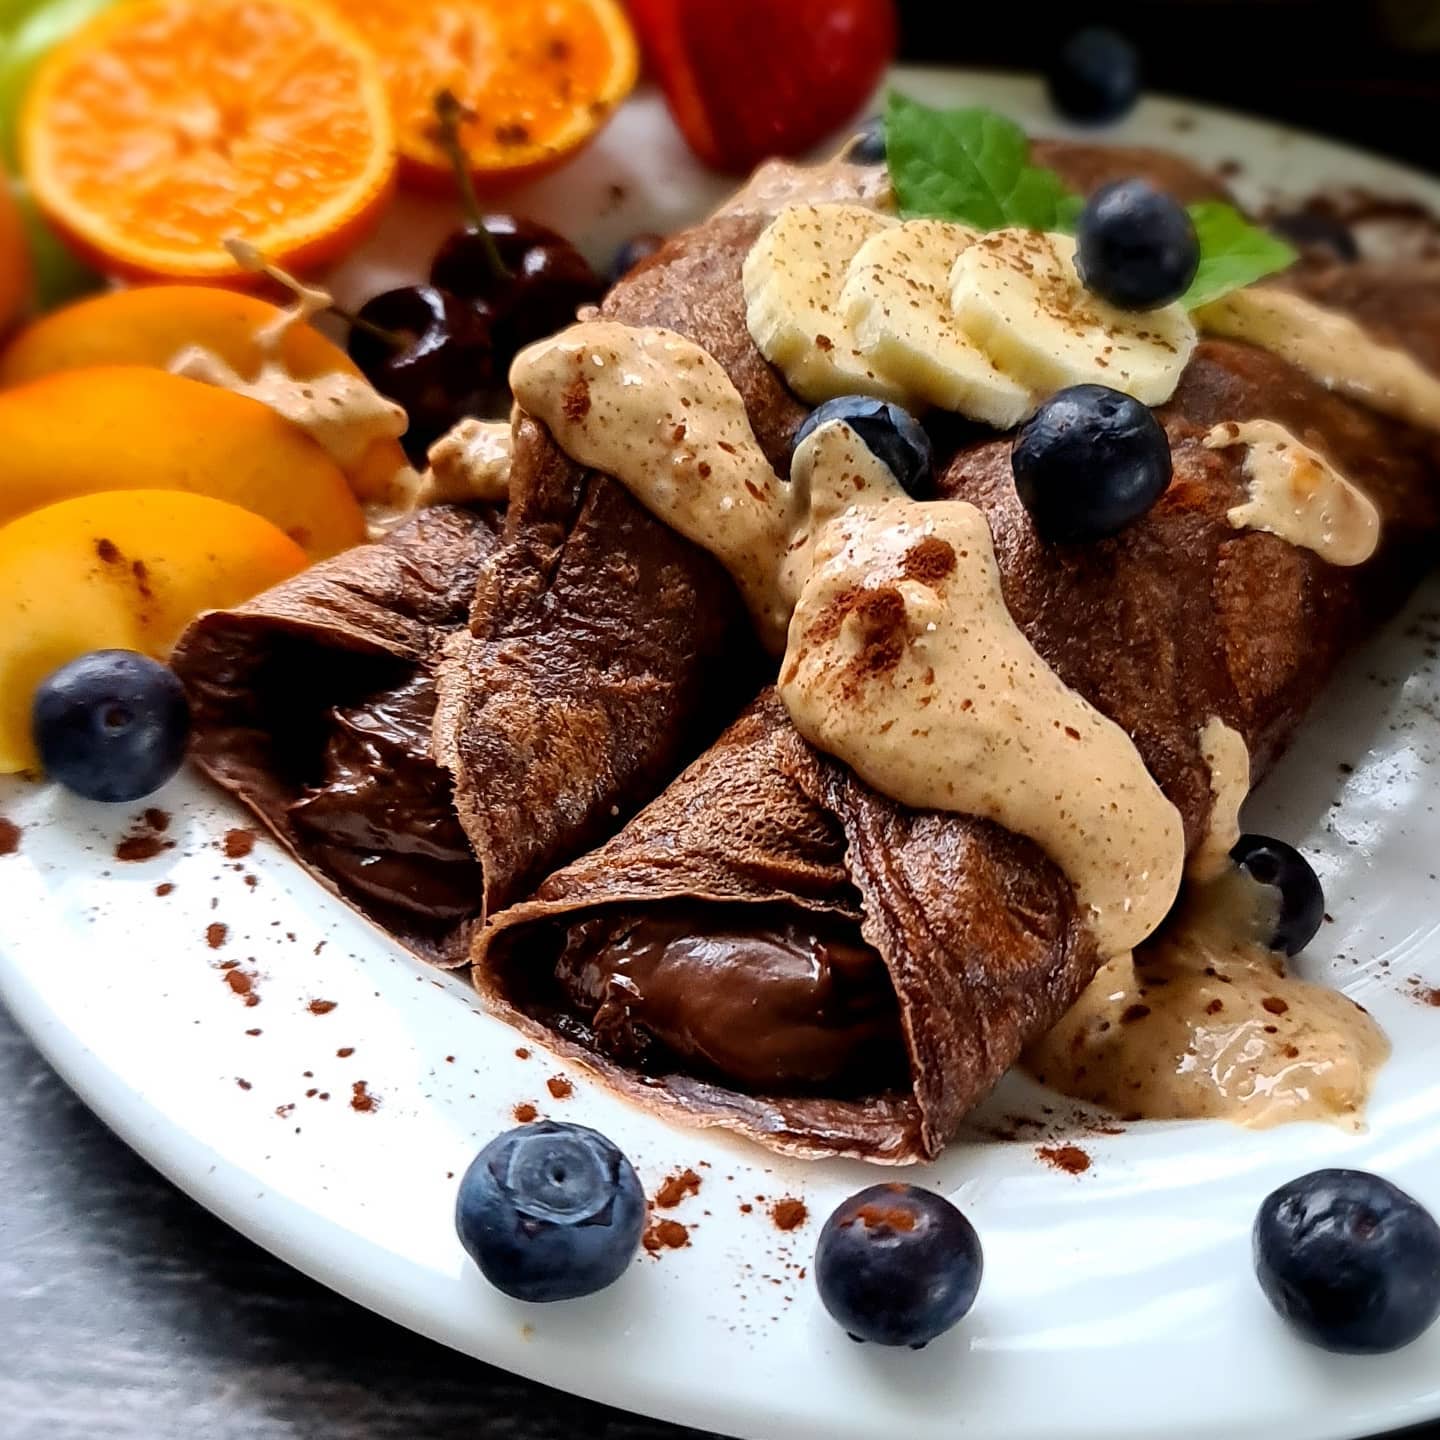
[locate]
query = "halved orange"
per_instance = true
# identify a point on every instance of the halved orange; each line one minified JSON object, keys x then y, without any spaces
{"x":163,"y":126}
{"x":540,"y":77}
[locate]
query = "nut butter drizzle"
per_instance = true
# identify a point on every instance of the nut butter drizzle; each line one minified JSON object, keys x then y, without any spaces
{"x":902,"y":658}
{"x":1205,"y":1022}
{"x":1298,"y":495}
{"x":1331,"y":348}
{"x":1225,"y":752}
{"x":343,"y":413}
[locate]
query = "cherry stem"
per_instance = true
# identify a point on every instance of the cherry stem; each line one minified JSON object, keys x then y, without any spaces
{"x":393,"y":338}
{"x":449,"y":112}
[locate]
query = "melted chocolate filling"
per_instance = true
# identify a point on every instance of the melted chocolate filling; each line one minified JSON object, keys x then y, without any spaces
{"x":764,"y":998}
{"x":381,"y":820}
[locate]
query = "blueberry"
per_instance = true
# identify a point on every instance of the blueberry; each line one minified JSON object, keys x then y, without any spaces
{"x":111,"y":725}
{"x":898,"y":1265}
{"x":868,"y":146}
{"x":1135,"y":246}
{"x":632,"y":252}
{"x":1088,"y":462}
{"x":891,"y":434}
{"x":1095,"y":76}
{"x":1302,"y":901}
{"x":1350,"y":1260}
{"x":550,"y":1212}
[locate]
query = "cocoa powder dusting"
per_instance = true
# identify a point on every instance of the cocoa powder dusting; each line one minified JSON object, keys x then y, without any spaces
{"x":9,"y":836}
{"x":131,"y":848}
{"x":676,"y":1188}
{"x":789,"y":1213}
{"x":559,"y":1087}
{"x":665,"y":1235}
{"x":361,"y":1099}
{"x":930,"y":560}
{"x":524,"y":1113}
{"x":243,"y":985}
{"x":237,"y":844}
{"x":215,"y":934}
{"x":1069,"y":1158}
{"x":321,"y":1007}
{"x":157,"y":820}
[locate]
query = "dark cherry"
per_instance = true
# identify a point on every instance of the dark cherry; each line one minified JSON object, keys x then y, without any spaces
{"x":431,"y":353}
{"x":546,"y":278}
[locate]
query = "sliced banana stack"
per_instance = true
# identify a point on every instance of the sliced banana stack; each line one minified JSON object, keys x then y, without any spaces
{"x":792,"y":278}
{"x":896,"y":302}
{"x":1016,"y":295}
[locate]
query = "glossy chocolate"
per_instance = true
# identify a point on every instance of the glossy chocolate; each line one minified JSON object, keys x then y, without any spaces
{"x":381,"y":820}
{"x":769,"y":1000}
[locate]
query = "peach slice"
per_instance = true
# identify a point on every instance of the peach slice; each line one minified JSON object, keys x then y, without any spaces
{"x":152,"y":325}
{"x":128,"y":428}
{"x":127,"y":568}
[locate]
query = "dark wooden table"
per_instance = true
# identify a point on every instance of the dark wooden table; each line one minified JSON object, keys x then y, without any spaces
{"x":129,"y":1313}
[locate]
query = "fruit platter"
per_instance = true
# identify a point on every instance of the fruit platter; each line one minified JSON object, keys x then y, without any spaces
{"x":766,"y":760}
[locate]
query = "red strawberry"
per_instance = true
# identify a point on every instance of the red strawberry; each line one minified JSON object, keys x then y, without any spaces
{"x":746,"y":79}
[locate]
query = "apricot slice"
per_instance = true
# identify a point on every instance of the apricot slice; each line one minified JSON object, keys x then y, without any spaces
{"x":127,"y":428}
{"x":128,"y":568}
{"x":153,"y":324}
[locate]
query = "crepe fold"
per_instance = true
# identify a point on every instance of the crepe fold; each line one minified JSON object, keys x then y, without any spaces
{"x":313,"y":704}
{"x":1180,"y":618}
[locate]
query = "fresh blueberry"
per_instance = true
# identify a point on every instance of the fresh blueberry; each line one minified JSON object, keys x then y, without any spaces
{"x":1302,"y":901}
{"x":632,"y":252}
{"x":550,"y":1212}
{"x":1088,"y":462}
{"x":1317,"y":232}
{"x":1350,"y":1260}
{"x":1095,"y":76}
{"x":111,"y":725}
{"x":891,"y":434}
{"x":1135,"y":246}
{"x":898,"y":1265}
{"x":868,"y":146}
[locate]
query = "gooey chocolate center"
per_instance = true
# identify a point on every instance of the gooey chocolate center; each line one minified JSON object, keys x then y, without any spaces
{"x":768,"y":1000}
{"x":381,"y":817}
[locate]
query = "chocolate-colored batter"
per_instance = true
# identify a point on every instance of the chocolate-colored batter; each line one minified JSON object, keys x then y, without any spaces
{"x":768,"y":999}
{"x":381,"y":821}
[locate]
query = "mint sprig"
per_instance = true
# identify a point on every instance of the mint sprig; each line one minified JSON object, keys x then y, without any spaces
{"x":973,"y":166}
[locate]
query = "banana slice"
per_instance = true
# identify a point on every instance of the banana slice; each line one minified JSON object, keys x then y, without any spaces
{"x":792,"y":279}
{"x":1016,"y":295}
{"x":896,"y":300}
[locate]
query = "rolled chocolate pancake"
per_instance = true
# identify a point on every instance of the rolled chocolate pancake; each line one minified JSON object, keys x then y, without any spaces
{"x":314,"y":703}
{"x":614,"y":646}
{"x":1180,"y":618}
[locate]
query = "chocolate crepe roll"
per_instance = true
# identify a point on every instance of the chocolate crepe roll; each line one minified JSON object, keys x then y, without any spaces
{"x":613,"y":645}
{"x":314,"y":705}
{"x":651,"y":960}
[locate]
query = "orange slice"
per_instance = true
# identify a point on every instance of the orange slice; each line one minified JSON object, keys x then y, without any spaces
{"x":164,"y":126}
{"x":540,"y":76}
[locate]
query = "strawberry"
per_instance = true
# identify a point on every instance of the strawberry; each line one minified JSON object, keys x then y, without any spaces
{"x":746,"y":79}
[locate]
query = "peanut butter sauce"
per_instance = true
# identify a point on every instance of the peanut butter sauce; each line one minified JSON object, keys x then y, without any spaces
{"x":1228,"y":757}
{"x":1298,"y":495}
{"x":1329,"y":347}
{"x":1205,"y":1022}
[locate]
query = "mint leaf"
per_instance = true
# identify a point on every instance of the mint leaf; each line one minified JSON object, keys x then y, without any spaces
{"x":972,"y":166}
{"x":1233,"y":253}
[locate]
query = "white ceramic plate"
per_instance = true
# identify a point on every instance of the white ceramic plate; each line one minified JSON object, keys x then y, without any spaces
{"x":1117,"y":1303}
